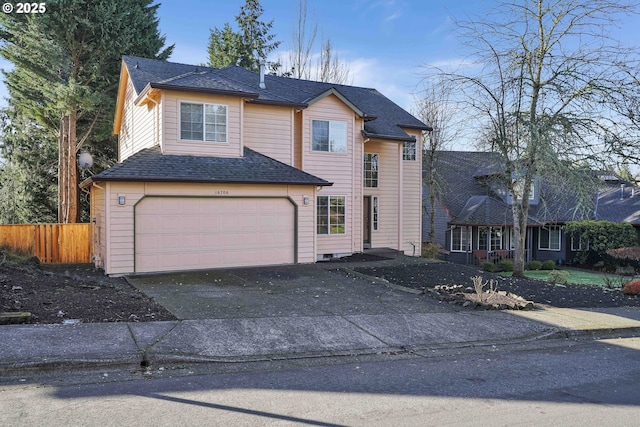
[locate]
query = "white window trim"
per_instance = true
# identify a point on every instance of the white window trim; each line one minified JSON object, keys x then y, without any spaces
{"x":346,"y":137}
{"x":555,"y":227}
{"x":329,"y":233}
{"x":579,"y":248}
{"x":364,"y":171}
{"x":375,"y":213}
{"x":204,"y":131}
{"x":469,"y":234}
{"x":415,"y":151}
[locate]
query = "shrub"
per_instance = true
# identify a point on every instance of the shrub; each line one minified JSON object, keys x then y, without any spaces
{"x":488,"y":266}
{"x":548,"y":265}
{"x":560,"y":277}
{"x":631,"y":288}
{"x":534,"y":265}
{"x":430,"y":250}
{"x":505,"y":265}
{"x":602,"y":236}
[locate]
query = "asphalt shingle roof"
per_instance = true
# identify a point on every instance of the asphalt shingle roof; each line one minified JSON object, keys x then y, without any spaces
{"x":383,"y":118}
{"x":469,"y":196}
{"x":254,"y":168}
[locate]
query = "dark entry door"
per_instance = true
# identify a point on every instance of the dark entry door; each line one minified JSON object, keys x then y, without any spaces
{"x":366,"y":218}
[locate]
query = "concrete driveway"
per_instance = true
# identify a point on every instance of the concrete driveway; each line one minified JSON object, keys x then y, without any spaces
{"x":292,"y":291}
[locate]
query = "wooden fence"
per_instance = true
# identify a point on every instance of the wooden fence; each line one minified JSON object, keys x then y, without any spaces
{"x":51,"y":243}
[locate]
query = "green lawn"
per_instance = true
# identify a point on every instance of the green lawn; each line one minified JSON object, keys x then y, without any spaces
{"x":580,"y":277}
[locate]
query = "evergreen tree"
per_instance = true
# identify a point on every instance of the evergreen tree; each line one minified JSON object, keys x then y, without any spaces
{"x":67,"y":67}
{"x":247,"y":47}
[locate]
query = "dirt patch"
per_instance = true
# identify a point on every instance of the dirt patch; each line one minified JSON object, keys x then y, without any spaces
{"x":427,"y":276}
{"x":55,"y":294}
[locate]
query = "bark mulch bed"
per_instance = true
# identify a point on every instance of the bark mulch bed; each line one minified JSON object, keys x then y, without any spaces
{"x":427,"y":276}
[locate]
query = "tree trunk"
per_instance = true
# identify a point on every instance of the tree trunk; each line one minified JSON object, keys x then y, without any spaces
{"x":432,"y":203}
{"x":67,"y":171}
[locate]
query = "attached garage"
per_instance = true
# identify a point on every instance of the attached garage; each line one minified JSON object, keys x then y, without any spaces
{"x":155,"y":212}
{"x":183,"y":233}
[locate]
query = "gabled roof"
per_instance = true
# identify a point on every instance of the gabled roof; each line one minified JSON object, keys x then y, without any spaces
{"x":383,"y":118}
{"x":467,"y":192}
{"x":150,"y":165}
{"x":618,"y":204}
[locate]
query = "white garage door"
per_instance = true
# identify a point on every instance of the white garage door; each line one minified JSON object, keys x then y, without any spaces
{"x":186,"y":233}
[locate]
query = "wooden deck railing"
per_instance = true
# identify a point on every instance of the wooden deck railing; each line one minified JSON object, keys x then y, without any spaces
{"x":51,"y":243}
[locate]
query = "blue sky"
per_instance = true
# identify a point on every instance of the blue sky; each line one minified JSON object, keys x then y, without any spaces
{"x":384,"y":42}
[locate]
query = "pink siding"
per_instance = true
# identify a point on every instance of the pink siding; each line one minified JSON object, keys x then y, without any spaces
{"x":139,"y":127}
{"x":338,"y":168}
{"x":99,"y":232}
{"x":172,"y":144}
{"x":387,"y":192}
{"x":412,"y":201}
{"x":269,"y":130}
{"x":119,"y":220}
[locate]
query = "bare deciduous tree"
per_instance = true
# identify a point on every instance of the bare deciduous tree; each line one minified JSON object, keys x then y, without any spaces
{"x":434,"y":108}
{"x":542,"y":77}
{"x":328,"y":66}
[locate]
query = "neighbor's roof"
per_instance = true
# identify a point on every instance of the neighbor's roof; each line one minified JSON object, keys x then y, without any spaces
{"x":383,"y":118}
{"x":151,"y":165}
{"x":468,"y":194}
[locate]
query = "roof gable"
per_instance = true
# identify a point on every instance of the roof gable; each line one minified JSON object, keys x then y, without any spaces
{"x":383,"y":118}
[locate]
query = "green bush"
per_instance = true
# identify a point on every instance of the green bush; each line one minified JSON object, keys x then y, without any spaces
{"x":548,"y":265}
{"x":430,"y":250}
{"x":602,"y":236}
{"x":560,"y":277}
{"x":505,"y":265}
{"x":488,"y":266}
{"x":534,"y":265}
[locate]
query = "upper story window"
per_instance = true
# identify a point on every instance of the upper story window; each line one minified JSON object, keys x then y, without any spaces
{"x":203,"y":122}
{"x":329,"y":136}
{"x":370,"y":170}
{"x":409,"y":150}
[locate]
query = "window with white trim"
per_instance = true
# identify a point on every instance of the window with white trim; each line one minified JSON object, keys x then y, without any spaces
{"x":460,"y":239}
{"x":331,"y":215}
{"x":549,"y":238}
{"x":203,"y":122}
{"x":329,"y":136}
{"x":409,"y":150}
{"x":578,"y":243}
{"x":489,"y":238}
{"x":370,"y":170}
{"x":375,"y":213}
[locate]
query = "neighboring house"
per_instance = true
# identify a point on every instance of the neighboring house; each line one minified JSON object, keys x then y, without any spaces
{"x":227,"y":167}
{"x":474,"y":220}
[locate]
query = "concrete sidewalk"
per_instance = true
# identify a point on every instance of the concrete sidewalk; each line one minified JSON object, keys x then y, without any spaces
{"x":289,"y":312}
{"x":256,"y":339}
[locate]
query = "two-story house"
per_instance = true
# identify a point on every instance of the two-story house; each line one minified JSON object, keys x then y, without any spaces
{"x":227,"y":167}
{"x":473,"y":213}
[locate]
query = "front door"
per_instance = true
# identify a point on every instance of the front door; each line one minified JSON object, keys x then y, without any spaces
{"x":366,"y":226}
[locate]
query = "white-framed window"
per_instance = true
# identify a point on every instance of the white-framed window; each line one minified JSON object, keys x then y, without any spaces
{"x":331,"y":215}
{"x":549,"y":238}
{"x":490,"y":238}
{"x":460,"y":239}
{"x":203,"y":122}
{"x":329,"y":136}
{"x":375,"y":212}
{"x":518,"y":189}
{"x":409,"y":150}
{"x":371,"y":170}
{"x":578,"y":243}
